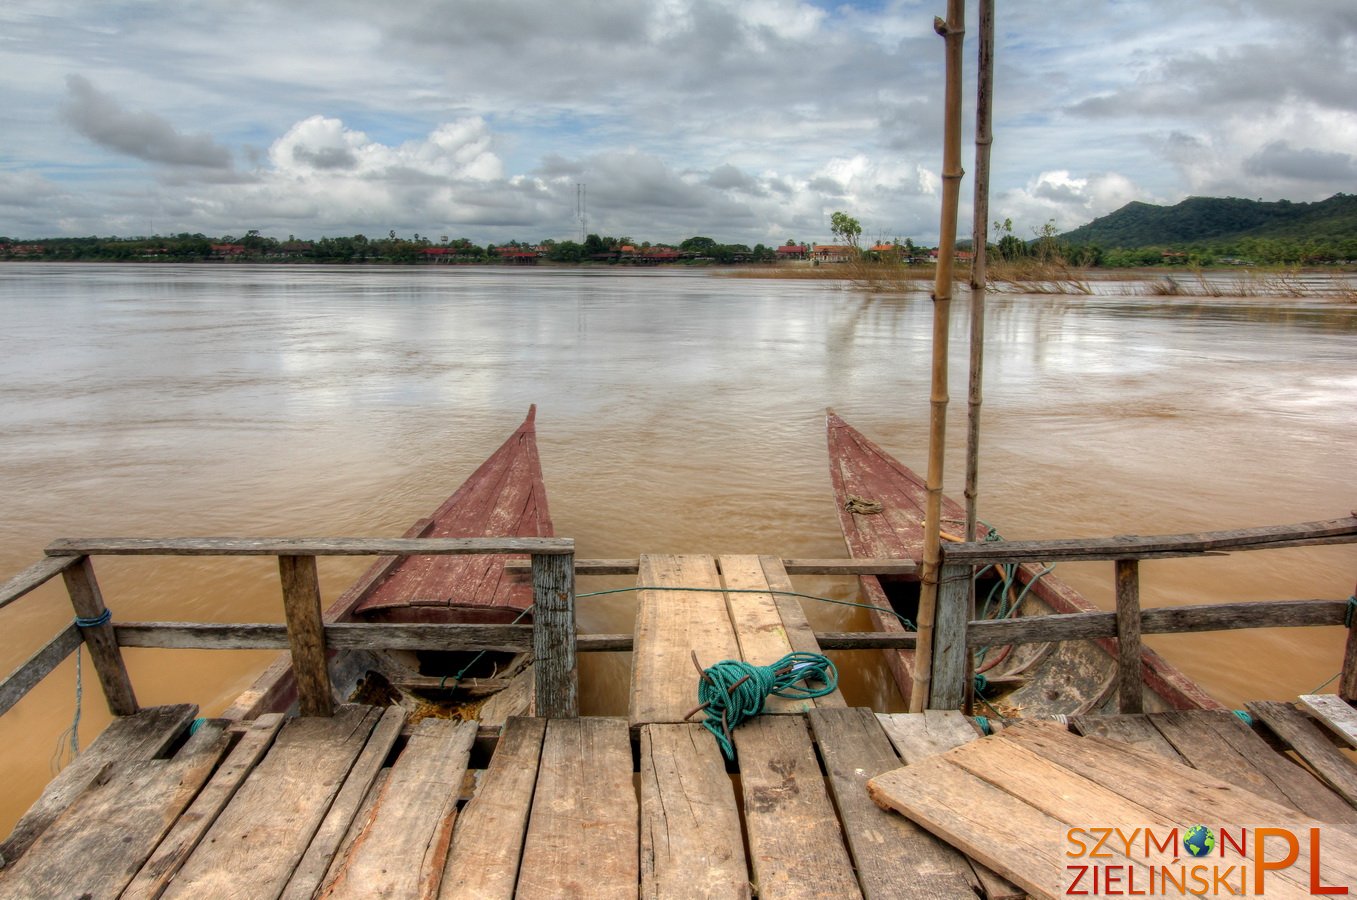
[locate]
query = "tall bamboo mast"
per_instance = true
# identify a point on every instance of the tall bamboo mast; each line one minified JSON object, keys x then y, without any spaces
{"x":984,"y":138}
{"x":953,"y":31}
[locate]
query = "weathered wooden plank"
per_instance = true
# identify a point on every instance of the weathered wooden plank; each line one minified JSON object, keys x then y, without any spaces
{"x":583,"y":835}
{"x":268,"y":825}
{"x":691,"y":845}
{"x":1335,"y":712}
{"x":1306,"y":738}
{"x":1216,"y":741}
{"x":795,"y":843}
{"x":894,"y":857}
{"x":1135,"y":730}
{"x":758,"y":625}
{"x":1347,"y":683}
{"x":866,"y":640}
{"x":672,"y":626}
{"x":556,"y":672}
{"x":346,"y":809}
{"x":234,"y":546}
{"x":905,"y":567}
{"x":401,"y":847}
{"x":32,"y":578}
{"x":38,"y":666}
{"x":100,"y":843}
{"x":1148,"y":546}
{"x":190,"y":827}
{"x":305,"y":634}
{"x":917,"y":736}
{"x":487,"y":842}
{"x":99,"y":638}
{"x":794,"y":621}
{"x":338,"y":636}
{"x":1130,"y":691}
{"x":142,"y":736}
{"x":949,"y":681}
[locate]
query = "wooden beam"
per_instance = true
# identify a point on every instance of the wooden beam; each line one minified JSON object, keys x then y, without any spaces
{"x":1155,"y":546}
{"x":103,"y":645}
{"x":1130,"y":692}
{"x":338,"y":636}
{"x":901,"y":567}
{"x":32,"y":578}
{"x":948,"y":688}
{"x":305,"y":632}
{"x":553,"y":637}
{"x":228,"y":546}
{"x":39,"y":665}
{"x":1347,"y":684}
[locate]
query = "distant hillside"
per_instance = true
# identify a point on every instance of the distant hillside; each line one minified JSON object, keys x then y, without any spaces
{"x":1208,"y":220}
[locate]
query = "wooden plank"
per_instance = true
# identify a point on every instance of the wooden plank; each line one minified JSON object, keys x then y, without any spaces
{"x":1313,"y":746}
{"x":487,"y":842}
{"x":758,"y":625}
{"x":1130,"y":690}
{"x":794,"y":621}
{"x":338,"y":636}
{"x":1347,"y":683}
{"x":691,"y":844}
{"x":1135,"y":730}
{"x":1335,"y":712}
{"x":189,"y":829}
{"x":400,"y":849}
{"x":894,"y":857}
{"x":99,"y":639}
{"x":268,"y":825}
{"x":346,"y":809}
{"x":32,"y":578}
{"x":1149,"y":546}
{"x":583,"y":835}
{"x":99,"y":844}
{"x":795,"y":843}
{"x":38,"y":666}
{"x":1216,"y":741}
{"x":143,"y":736}
{"x":917,"y":736}
{"x":671,"y":626}
{"x":904,"y":567}
{"x":305,"y":634}
{"x":866,"y":640}
{"x":231,"y":546}
{"x":556,"y":673}
{"x":949,"y":682}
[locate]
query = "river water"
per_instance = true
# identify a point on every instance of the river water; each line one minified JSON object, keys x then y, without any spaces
{"x":679,"y":411}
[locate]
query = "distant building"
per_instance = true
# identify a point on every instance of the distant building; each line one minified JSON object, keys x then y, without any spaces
{"x":831,"y":253}
{"x":793,"y":251}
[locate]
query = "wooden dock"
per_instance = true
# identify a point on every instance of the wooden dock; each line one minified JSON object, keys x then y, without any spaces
{"x":823,"y":800}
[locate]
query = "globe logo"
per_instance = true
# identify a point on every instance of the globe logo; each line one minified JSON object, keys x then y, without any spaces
{"x":1199,"y":840}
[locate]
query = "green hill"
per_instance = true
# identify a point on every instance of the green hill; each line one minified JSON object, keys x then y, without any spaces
{"x":1206,"y":221}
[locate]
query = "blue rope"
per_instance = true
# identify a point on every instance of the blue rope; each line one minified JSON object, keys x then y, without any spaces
{"x":102,"y":619}
{"x":985,"y":727}
{"x":1243,"y":716}
{"x":732,"y":691}
{"x":981,"y":682}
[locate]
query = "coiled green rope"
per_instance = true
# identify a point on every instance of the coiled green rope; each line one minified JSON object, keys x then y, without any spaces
{"x":732,"y":691}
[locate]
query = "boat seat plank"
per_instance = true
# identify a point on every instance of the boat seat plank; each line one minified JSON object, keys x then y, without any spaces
{"x":1216,"y":741}
{"x":795,"y":843}
{"x":401,"y":846}
{"x":96,"y":847}
{"x":487,"y":841}
{"x":917,"y":736}
{"x":759,"y":625}
{"x":188,"y":831}
{"x":142,"y":736}
{"x":1334,"y":712}
{"x":691,"y":843}
{"x":346,"y":808}
{"x":894,"y":856}
{"x":1133,"y":729}
{"x":267,"y":826}
{"x":583,"y":832}
{"x":670,"y":627}
{"x":1311,"y":743}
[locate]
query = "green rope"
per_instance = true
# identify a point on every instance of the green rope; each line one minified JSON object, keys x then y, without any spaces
{"x":981,"y":682}
{"x":983,"y":723}
{"x":909,"y":626}
{"x":1243,"y":716}
{"x":1347,"y":613}
{"x":732,"y":691}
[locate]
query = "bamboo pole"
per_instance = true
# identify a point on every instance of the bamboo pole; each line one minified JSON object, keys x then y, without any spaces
{"x":984,"y":139}
{"x":953,"y":31}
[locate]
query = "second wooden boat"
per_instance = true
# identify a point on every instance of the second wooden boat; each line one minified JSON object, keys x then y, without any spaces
{"x":881,"y":510}
{"x":504,"y":497}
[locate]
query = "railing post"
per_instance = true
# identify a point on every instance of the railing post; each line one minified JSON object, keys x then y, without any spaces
{"x":553,"y":636}
{"x":306,"y":634}
{"x":1347,"y":684}
{"x":99,"y":637}
{"x":1130,"y":691}
{"x":948,"y":688}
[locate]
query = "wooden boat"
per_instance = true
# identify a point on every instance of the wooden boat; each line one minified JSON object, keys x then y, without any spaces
{"x":504,"y":497}
{"x":881,"y":506}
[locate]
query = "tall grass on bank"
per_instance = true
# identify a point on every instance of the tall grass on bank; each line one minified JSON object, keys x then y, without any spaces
{"x":1251,"y":283}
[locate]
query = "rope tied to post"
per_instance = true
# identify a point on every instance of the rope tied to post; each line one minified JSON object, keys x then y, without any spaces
{"x":1347,"y":613}
{"x":733,"y":691}
{"x":102,"y":619}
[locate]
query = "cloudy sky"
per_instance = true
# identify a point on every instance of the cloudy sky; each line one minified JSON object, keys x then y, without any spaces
{"x":745,"y":121}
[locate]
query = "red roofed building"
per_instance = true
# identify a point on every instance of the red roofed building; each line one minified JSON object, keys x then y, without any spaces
{"x":793,"y":251}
